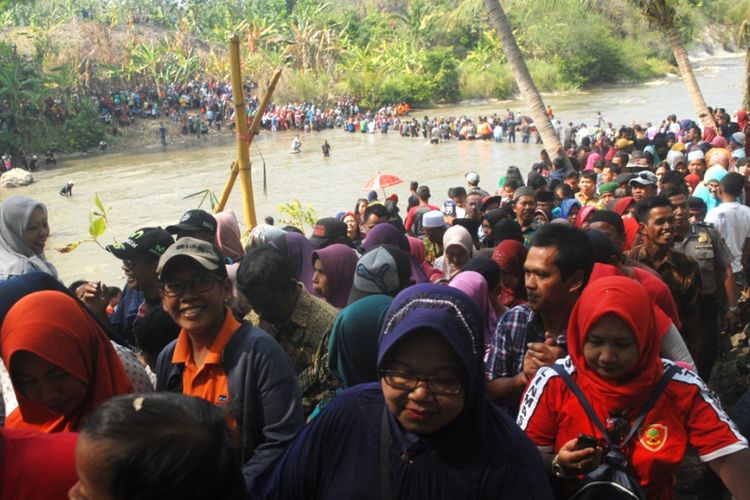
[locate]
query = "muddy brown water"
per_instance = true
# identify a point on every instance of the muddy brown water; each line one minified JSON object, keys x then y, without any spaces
{"x":148,"y":187}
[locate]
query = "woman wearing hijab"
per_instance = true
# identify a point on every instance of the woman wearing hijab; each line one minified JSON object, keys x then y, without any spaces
{"x":299,"y":250}
{"x":708,"y":189}
{"x":426,"y":430}
{"x":582,"y":219}
{"x":459,"y":248}
{"x":24,"y":230}
{"x":61,"y":363}
{"x":614,"y":339}
{"x":489,"y":220}
{"x":419,"y":253}
{"x":475,"y":286}
{"x":228,"y":238}
{"x":333,"y":273}
{"x":352,"y":228}
{"x":510,"y":256}
{"x":569,"y":209}
{"x":353,"y":343}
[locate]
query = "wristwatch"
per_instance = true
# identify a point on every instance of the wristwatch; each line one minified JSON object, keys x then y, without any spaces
{"x":733,"y":309}
{"x":557,"y":469}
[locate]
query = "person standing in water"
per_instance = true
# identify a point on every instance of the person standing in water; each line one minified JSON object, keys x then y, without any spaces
{"x":162,"y":134}
{"x":296,"y":145}
{"x":326,"y":149}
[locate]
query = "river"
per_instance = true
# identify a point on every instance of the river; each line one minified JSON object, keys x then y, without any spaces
{"x":148,"y":188}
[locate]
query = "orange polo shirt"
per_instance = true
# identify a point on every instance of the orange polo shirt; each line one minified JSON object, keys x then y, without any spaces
{"x":209,"y":381}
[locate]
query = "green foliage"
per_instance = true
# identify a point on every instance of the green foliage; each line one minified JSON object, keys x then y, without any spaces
{"x":294,"y":214}
{"x":98,"y":225}
{"x":82,"y":131}
{"x":206,"y":195}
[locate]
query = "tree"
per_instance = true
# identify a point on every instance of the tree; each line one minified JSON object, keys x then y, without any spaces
{"x":743,"y":38}
{"x":525,"y":83}
{"x":662,"y":15}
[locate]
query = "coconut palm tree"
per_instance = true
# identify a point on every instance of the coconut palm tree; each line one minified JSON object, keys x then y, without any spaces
{"x":526,"y":85}
{"x":743,"y":38}
{"x":662,"y":15}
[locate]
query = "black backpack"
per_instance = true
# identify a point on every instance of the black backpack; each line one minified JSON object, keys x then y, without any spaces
{"x":612,"y":479}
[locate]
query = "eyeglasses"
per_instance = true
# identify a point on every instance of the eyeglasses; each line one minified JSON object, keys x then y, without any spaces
{"x":130,"y":263}
{"x":203,"y":283}
{"x":409,"y":382}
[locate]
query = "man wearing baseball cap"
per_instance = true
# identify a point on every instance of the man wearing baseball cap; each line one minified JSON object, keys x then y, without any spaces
{"x":195,"y":223}
{"x":139,"y":254}
{"x":643,"y":185}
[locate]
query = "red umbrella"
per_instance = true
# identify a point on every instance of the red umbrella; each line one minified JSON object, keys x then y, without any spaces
{"x":382,"y":181}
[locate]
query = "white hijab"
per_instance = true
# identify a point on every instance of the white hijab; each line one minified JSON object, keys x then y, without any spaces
{"x":16,"y":258}
{"x":460,"y":236}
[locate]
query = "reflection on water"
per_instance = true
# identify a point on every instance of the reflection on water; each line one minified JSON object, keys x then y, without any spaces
{"x":148,"y":188}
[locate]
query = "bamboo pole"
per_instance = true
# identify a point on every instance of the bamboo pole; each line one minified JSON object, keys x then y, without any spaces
{"x":233,"y":172}
{"x":254,"y":127}
{"x":243,"y":141}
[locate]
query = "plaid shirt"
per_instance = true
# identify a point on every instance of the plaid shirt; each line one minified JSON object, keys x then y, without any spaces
{"x":517,"y":327}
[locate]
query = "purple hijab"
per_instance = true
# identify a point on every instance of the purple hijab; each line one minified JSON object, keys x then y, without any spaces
{"x":339,"y":262}
{"x":299,"y":251}
{"x":388,"y":234}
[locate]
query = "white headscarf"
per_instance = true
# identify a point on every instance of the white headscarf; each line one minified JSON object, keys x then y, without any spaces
{"x":16,"y":258}
{"x":460,"y":236}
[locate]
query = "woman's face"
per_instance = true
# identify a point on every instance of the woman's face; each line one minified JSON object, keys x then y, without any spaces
{"x":610,"y":348}
{"x":486,"y":228}
{"x":660,"y":171}
{"x":713,"y":188}
{"x":351,"y":226}
{"x":456,"y":255}
{"x":319,"y":279}
{"x":509,"y":280}
{"x":199,"y":307}
{"x":92,"y":474}
{"x":37,"y":231}
{"x":426,"y":355}
{"x":46,"y":384}
{"x":573,"y":214}
{"x":362,"y":206}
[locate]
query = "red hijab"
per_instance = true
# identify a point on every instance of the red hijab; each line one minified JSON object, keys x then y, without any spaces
{"x":56,"y":328}
{"x":583,"y":215}
{"x":510,"y":256}
{"x":629,"y":301}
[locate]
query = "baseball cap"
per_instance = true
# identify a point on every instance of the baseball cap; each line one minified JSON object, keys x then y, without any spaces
{"x":202,"y":252}
{"x":472,"y":177}
{"x":737,"y":138}
{"x":385,"y":269}
{"x":145,"y":242}
{"x":644,"y":178}
{"x":493,"y":198}
{"x":423,"y":192}
{"x":433,"y":218}
{"x":327,"y":231}
{"x":195,"y":220}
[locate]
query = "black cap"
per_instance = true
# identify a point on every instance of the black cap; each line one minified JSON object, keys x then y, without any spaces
{"x":145,"y":242}
{"x":195,"y":220}
{"x":624,"y":178}
{"x":329,"y":230}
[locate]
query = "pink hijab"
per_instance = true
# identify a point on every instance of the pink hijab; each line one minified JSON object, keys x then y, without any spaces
{"x":591,"y":161}
{"x":474,"y":285}
{"x":228,"y":238}
{"x":339,"y":262}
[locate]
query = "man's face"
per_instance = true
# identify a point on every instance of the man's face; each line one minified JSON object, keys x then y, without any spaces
{"x":545,"y":206}
{"x":641,"y":191}
{"x":141,"y":274}
{"x":643,"y":162}
{"x":697,"y":167}
{"x":587,"y":186}
{"x":473,"y":205}
{"x":460,"y":200}
{"x":608,"y":175}
{"x":696,"y":215}
{"x":690,"y":135}
{"x":545,"y":288}
{"x":572,"y":182}
{"x":659,"y":228}
{"x":525,"y":207}
{"x":614,"y":236}
{"x":681,"y":214}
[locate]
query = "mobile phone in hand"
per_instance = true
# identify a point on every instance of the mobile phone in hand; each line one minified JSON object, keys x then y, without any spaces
{"x":586,"y":441}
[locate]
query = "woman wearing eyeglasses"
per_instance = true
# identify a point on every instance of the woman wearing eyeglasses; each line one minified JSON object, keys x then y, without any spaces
{"x":227,"y":362}
{"x":425,"y":430}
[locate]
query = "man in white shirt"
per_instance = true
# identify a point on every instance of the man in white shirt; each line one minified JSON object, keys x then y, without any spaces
{"x":732,"y":221}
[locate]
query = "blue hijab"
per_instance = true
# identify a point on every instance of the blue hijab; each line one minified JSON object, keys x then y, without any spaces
{"x":481,"y":454}
{"x":566,"y":206}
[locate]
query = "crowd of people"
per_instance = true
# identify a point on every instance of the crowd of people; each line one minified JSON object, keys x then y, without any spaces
{"x":550,"y":336}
